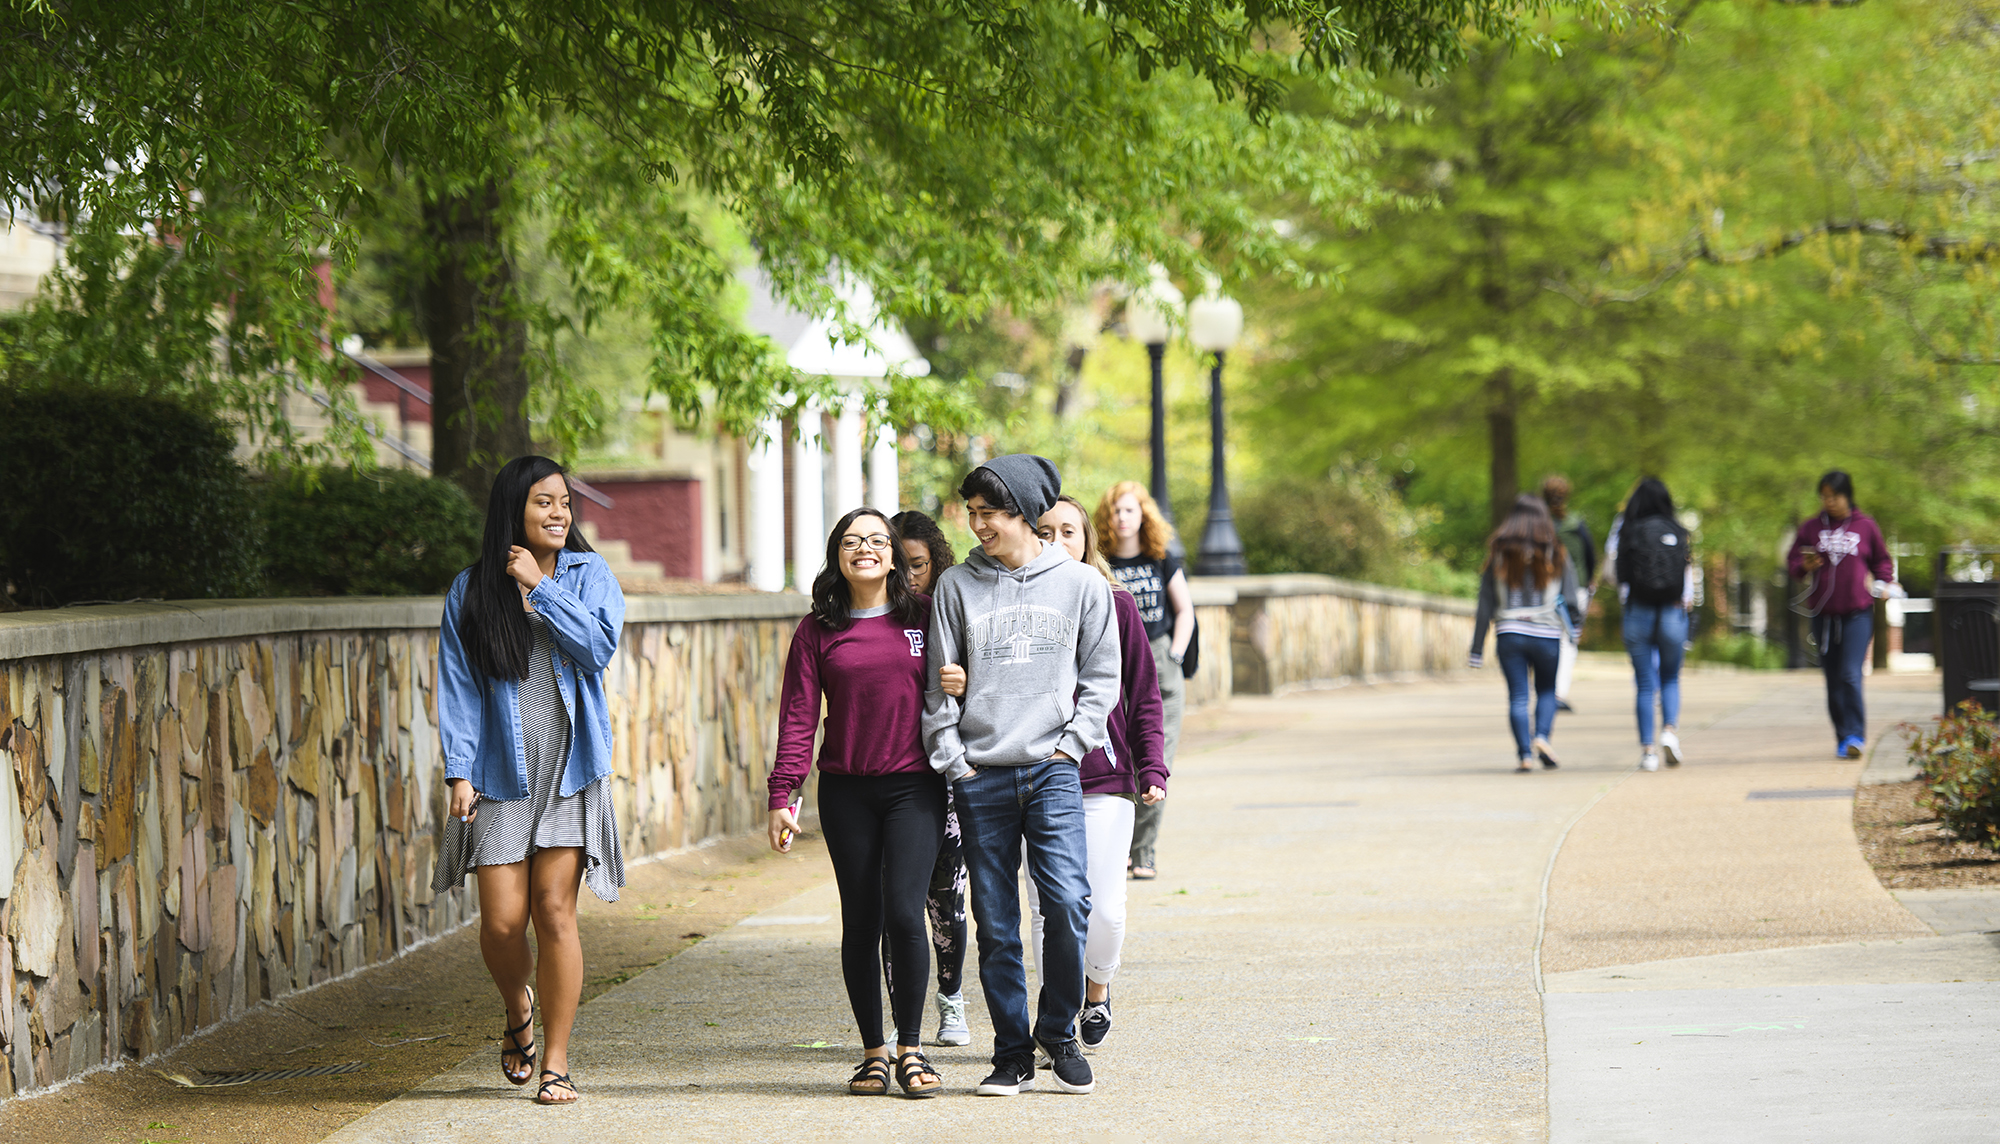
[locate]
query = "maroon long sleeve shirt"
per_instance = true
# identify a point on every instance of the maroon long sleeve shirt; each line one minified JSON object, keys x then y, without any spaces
{"x":872,"y":679}
{"x":1137,"y":758}
{"x":1851,"y":549}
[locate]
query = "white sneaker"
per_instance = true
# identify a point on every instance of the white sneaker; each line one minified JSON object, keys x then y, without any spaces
{"x":1670,"y":746}
{"x":951,"y":1020}
{"x":1650,"y":761}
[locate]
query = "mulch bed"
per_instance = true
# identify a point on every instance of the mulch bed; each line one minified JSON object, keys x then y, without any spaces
{"x":1907,"y":847}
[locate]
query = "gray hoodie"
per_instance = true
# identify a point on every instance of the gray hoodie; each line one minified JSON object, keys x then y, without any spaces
{"x":1039,"y":645}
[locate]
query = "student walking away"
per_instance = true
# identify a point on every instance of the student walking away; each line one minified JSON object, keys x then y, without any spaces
{"x":1036,"y":634}
{"x":528,"y":631}
{"x":1528,"y":594}
{"x":1136,"y":536}
{"x":881,"y":806}
{"x":929,"y":554}
{"x":1574,"y":532}
{"x":1655,"y":569}
{"x":1837,"y":553}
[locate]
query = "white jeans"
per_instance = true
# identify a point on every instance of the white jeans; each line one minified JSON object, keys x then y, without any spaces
{"x":1107,"y":831}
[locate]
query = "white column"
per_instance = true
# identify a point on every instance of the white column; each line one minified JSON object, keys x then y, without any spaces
{"x":884,"y":480}
{"x":764,"y":532}
{"x":808,"y":501}
{"x":847,"y":491}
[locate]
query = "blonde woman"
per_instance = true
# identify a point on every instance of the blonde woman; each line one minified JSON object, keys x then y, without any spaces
{"x":1136,"y":538}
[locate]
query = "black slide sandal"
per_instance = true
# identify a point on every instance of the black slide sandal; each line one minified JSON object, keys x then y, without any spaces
{"x":912,"y":1067}
{"x":873,"y":1070}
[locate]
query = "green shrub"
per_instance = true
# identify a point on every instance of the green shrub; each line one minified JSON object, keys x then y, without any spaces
{"x":1958,"y":759}
{"x":382,"y":532}
{"x":1349,"y":523}
{"x":1740,"y":648}
{"x":116,"y":495}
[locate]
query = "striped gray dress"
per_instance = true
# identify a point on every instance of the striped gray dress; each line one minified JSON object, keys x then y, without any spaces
{"x":503,"y":832}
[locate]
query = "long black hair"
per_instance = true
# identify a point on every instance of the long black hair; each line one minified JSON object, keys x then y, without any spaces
{"x":830,"y":592}
{"x":1839,"y":482}
{"x":491,"y":623}
{"x":1649,"y":498}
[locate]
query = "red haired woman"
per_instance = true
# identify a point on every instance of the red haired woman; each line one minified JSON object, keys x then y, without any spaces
{"x":1136,"y":536}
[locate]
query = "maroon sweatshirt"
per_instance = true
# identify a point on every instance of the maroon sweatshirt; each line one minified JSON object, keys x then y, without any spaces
{"x":1850,"y":548}
{"x":1137,"y":756}
{"x":872,"y":677}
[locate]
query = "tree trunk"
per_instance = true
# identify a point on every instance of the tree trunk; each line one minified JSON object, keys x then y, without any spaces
{"x":479,"y":341}
{"x":1500,"y":435}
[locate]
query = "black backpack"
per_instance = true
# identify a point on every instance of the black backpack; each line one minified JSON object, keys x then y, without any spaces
{"x":1658,"y":561}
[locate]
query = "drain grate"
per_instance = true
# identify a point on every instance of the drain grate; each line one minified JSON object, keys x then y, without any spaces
{"x":1806,"y":792}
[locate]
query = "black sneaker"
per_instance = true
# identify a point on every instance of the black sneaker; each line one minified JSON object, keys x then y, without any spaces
{"x":1012,"y":1075}
{"x":1067,"y":1065}
{"x":1095,"y":1022}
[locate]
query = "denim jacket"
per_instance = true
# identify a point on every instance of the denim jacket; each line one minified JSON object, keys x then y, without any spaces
{"x":479,"y":720}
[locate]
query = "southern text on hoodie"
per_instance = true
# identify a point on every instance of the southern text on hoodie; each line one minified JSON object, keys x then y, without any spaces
{"x":1030,"y":639}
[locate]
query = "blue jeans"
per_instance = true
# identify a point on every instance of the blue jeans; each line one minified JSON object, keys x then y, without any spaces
{"x":1656,"y":639}
{"x":1519,"y":655}
{"x":1843,"y":652}
{"x":998,"y":809}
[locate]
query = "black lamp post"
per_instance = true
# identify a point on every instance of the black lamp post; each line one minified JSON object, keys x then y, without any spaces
{"x":1150,"y":318}
{"x":1214,"y":324}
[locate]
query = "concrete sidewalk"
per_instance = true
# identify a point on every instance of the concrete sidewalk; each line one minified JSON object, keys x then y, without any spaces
{"x":1342,"y":944}
{"x":1735,"y":972}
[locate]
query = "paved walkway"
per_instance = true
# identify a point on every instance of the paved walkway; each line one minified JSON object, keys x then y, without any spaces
{"x":1347,"y":941}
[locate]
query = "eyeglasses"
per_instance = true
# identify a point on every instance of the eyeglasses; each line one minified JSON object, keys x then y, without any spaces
{"x":878,"y":542}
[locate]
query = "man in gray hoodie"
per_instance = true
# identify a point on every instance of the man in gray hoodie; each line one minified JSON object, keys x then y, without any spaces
{"x":1037,"y":636}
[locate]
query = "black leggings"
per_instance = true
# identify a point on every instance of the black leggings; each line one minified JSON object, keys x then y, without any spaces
{"x":882,"y":833}
{"x":947,"y":910}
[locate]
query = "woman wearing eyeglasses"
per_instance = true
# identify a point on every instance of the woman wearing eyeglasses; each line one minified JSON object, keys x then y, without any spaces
{"x":881,"y":805}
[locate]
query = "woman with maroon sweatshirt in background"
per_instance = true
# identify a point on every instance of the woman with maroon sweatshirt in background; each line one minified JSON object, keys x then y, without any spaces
{"x":1836,"y":552}
{"x":1113,"y":776}
{"x":881,"y":806}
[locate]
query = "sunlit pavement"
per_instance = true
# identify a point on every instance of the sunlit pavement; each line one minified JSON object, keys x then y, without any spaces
{"x":1358,"y":905}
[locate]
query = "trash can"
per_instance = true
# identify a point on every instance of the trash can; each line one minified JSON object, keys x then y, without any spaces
{"x":1965,"y":630}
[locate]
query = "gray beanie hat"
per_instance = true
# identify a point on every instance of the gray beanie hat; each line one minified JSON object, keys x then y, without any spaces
{"x":1032,"y":481}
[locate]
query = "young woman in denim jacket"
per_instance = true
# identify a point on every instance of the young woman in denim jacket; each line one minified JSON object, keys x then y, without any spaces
{"x":528,"y":631}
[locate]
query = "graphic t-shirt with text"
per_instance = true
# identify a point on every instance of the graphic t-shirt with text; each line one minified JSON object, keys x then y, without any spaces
{"x":1147,"y":580}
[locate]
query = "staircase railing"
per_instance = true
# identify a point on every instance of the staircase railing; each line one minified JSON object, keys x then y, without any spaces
{"x":407,"y":389}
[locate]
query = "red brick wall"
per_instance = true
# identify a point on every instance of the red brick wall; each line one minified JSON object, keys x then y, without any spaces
{"x":659,"y":517}
{"x":379,"y":388}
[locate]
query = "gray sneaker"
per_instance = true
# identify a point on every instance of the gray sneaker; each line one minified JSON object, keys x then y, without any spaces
{"x":952,"y":1029}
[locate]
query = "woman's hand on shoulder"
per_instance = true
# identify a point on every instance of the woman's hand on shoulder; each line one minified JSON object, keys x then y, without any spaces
{"x":951,"y":680}
{"x":522,"y":567}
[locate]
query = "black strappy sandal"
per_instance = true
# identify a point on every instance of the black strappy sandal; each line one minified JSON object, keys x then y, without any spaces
{"x":553,"y":1079}
{"x":873,"y":1070}
{"x":912,"y":1067}
{"x":511,"y":1046}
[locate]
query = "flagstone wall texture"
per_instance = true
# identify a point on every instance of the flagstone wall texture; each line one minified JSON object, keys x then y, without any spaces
{"x":207,"y":805}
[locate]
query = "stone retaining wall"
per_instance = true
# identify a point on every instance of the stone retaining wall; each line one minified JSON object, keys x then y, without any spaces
{"x":1290,"y":632}
{"x":216,"y":803}
{"x":206,"y":806}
